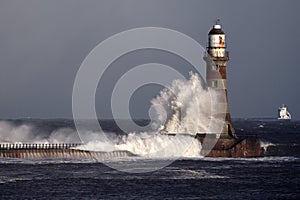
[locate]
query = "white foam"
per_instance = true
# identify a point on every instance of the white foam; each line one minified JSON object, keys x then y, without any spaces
{"x":150,"y":145}
{"x":266,"y":144}
{"x":188,"y":106}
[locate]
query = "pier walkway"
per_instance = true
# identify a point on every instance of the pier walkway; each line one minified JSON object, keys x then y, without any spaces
{"x":27,"y":146}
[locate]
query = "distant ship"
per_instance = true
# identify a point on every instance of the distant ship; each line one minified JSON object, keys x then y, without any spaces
{"x":283,"y":114}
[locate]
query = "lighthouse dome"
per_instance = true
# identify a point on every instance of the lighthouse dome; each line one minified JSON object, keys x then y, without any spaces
{"x":216,"y":30}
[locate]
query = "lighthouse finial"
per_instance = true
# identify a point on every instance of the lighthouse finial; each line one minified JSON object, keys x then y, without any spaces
{"x":218,"y":21}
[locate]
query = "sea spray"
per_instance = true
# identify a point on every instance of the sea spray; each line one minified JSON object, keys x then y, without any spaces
{"x":150,"y":145}
{"x":266,"y":144}
{"x":189,"y":107}
{"x":28,"y":133}
{"x":11,"y":134}
{"x":157,"y":145}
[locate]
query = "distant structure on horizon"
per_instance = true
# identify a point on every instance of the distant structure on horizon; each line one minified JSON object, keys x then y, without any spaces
{"x":216,"y":58}
{"x":283,"y":113}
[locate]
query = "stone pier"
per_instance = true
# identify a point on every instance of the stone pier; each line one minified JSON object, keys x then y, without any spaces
{"x":40,"y":151}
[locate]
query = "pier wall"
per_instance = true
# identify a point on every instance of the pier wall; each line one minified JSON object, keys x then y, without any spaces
{"x":40,"y":151}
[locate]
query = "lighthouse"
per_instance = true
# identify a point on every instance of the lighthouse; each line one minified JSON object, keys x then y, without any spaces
{"x":216,"y":58}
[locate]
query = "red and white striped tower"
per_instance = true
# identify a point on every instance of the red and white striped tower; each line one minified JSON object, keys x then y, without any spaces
{"x":216,"y":59}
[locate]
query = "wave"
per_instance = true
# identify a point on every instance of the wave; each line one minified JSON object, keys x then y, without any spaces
{"x":277,"y":149}
{"x":188,"y":107}
{"x":149,"y":145}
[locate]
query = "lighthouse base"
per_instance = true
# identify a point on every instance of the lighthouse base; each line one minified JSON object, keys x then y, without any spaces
{"x":240,"y":147}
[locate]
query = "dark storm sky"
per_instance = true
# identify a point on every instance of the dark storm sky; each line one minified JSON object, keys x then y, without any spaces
{"x":42,"y":44}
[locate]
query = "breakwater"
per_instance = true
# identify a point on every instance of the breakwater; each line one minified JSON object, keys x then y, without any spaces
{"x":39,"y":151}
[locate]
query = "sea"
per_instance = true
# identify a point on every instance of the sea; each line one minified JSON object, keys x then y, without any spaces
{"x":274,"y":175}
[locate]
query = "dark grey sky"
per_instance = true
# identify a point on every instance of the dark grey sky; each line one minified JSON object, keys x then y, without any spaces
{"x":42,"y":44}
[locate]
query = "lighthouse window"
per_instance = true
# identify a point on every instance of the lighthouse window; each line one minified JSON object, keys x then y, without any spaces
{"x":214,"y":83}
{"x":215,"y":67}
